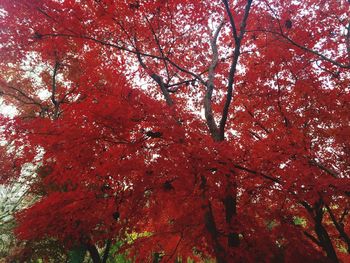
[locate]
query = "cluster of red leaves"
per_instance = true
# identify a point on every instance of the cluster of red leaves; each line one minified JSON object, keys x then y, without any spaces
{"x":118,"y":162}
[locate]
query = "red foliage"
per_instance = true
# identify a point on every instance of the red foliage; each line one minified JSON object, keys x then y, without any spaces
{"x":246,"y":159}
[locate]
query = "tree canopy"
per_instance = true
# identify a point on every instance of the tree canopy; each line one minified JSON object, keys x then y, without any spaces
{"x":186,"y":129}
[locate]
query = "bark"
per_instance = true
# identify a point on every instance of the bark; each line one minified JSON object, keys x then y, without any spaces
{"x":106,"y":252}
{"x":95,"y":256}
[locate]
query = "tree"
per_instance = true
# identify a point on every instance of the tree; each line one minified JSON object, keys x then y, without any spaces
{"x":205,"y":128}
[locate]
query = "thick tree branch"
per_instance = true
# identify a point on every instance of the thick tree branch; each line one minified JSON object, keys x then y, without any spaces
{"x":106,"y":251}
{"x":209,"y":116}
{"x":212,"y":229}
{"x":158,"y":79}
{"x":95,"y":256}
{"x":232,"y":21}
{"x":233,"y":68}
{"x":339,"y":226}
{"x":316,"y":213}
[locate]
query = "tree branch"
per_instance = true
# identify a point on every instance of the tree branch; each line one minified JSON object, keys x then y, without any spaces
{"x":323,"y":168}
{"x":339,"y":227}
{"x":209,"y":116}
{"x":231,"y":76}
{"x":159,"y":48}
{"x":312,"y":238}
{"x":268,"y":177}
{"x":158,"y":79}
{"x":95,"y":256}
{"x":54,"y":89}
{"x":106,"y":252}
{"x":309,"y":50}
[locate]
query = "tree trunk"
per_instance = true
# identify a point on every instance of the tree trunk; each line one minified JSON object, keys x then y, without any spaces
{"x":95,"y":256}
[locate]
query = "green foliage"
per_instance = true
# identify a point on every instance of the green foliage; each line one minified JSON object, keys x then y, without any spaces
{"x":76,"y":255}
{"x":299,"y":221}
{"x":114,"y":256}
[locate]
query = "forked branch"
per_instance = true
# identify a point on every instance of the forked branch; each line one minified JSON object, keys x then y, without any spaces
{"x":236,"y":54}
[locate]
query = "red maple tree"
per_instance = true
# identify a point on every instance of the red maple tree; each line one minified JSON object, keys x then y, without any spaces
{"x":211,"y":129}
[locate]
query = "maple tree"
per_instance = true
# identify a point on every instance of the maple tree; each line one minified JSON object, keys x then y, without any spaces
{"x":204,"y":129}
